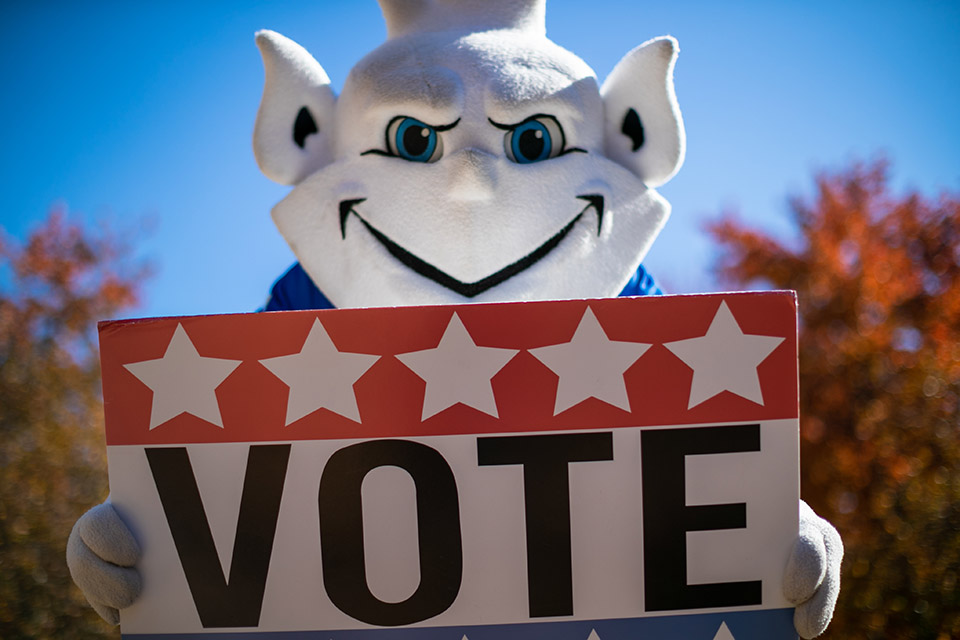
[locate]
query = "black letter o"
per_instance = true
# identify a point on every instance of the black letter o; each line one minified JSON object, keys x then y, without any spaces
{"x":438,"y":530}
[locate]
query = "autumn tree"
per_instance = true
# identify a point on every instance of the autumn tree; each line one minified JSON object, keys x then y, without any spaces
{"x":53,"y":289}
{"x":878,"y":280}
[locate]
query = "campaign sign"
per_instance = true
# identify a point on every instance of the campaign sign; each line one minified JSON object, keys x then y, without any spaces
{"x":579,"y":470}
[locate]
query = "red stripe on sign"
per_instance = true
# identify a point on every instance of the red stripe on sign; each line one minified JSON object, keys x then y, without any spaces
{"x":482,"y":368}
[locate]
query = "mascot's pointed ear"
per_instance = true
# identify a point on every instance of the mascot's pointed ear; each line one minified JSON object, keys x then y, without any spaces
{"x":293,"y":134}
{"x":643,"y":128}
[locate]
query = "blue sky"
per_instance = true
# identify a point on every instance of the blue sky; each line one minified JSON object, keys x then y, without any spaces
{"x":142,"y":112}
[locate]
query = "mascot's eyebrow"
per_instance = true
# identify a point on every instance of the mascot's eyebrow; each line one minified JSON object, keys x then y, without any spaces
{"x":385,"y":152}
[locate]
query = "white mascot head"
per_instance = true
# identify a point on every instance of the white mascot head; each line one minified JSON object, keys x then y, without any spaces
{"x":469,"y":158}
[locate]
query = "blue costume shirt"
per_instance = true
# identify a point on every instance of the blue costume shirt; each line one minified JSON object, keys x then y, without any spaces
{"x":295,"y":291}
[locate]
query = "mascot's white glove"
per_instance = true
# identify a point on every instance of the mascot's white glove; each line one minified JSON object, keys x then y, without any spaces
{"x":101,"y":553}
{"x":812,"y":579}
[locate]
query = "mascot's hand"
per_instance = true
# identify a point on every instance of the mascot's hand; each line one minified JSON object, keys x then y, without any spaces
{"x":812,"y":580}
{"x":101,"y":553}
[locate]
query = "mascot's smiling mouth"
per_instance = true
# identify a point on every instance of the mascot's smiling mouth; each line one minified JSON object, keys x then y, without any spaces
{"x":469,"y":289}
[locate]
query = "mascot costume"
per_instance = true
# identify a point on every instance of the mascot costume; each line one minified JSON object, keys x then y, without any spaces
{"x":468,"y":158}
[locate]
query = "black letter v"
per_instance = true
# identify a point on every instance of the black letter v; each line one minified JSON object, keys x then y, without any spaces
{"x":223,"y":603}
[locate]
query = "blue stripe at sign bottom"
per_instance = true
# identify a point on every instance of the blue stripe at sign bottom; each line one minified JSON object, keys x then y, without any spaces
{"x":769,"y":624}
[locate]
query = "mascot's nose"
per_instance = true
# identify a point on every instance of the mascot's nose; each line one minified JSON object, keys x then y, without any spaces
{"x":473,"y":175}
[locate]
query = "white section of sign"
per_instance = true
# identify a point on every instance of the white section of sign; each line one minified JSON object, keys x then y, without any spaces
{"x":457,"y":370}
{"x":320,"y":376}
{"x":724,"y":359}
{"x":183,"y":381}
{"x":606,"y":531}
{"x":391,"y":553}
{"x":210,"y":464}
{"x":134,"y":496}
{"x":746,"y":477}
{"x":590,"y":365}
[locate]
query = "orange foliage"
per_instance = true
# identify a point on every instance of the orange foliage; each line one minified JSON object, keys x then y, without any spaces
{"x":878,"y":280}
{"x":52,"y":462}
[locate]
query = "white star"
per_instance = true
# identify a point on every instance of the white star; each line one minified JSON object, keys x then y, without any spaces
{"x":590,"y":365}
{"x":457,"y":370}
{"x":723,"y":633}
{"x":320,"y":376}
{"x":725,"y":359}
{"x":183,"y":381}
{"x":593,"y":635}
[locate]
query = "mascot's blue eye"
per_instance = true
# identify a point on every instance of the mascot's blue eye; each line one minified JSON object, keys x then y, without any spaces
{"x":413,"y":140}
{"x":538,"y":138}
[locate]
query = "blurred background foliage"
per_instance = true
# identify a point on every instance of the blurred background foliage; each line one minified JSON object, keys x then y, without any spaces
{"x":53,"y":290}
{"x":878,"y":279}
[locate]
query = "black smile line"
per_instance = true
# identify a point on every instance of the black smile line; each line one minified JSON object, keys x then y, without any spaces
{"x":469,"y":289}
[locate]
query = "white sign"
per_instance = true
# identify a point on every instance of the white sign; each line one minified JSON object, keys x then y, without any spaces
{"x":562,"y":470}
